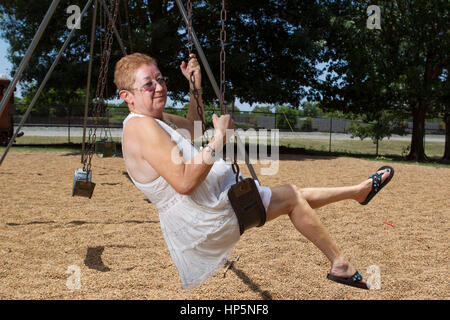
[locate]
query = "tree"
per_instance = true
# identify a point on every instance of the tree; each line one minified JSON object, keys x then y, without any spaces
{"x":53,"y":103}
{"x":384,"y":127}
{"x":311,"y":109}
{"x":286,"y":117}
{"x":260,"y":110}
{"x":397,"y":68}
{"x":271,"y":45}
{"x":446,"y":156}
{"x":446,"y":119}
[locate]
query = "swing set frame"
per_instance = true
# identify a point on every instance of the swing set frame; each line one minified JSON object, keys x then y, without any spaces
{"x":83,"y":186}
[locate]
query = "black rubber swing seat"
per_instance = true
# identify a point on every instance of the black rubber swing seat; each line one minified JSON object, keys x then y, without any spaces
{"x":247,"y":204}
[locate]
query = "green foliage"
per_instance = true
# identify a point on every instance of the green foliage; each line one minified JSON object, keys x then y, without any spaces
{"x":287,"y":117}
{"x":272,"y":49}
{"x":401,"y":68}
{"x":173,"y":111}
{"x":260,"y":70}
{"x":243,"y":125}
{"x":52,"y":103}
{"x":383,"y":127}
{"x":311,"y":109}
{"x":262,"y":110}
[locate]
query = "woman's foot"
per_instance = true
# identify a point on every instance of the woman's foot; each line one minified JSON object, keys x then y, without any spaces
{"x":342,"y":271}
{"x":364,"y":188}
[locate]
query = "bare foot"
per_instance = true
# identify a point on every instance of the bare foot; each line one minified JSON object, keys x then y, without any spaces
{"x":365,"y":187}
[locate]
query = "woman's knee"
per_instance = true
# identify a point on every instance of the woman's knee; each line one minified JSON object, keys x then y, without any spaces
{"x":284,"y":200}
{"x":297,"y":195}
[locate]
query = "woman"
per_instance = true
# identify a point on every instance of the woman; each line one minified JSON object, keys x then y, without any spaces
{"x":189,"y":188}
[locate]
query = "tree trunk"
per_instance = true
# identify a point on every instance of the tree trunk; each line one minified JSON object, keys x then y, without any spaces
{"x":417,"y":152}
{"x":447,"y":137}
{"x":377,"y":143}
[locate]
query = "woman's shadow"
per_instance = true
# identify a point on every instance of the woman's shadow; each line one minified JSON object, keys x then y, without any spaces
{"x":265,"y":295}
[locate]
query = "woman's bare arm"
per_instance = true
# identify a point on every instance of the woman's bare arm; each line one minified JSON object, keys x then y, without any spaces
{"x":164,"y":156}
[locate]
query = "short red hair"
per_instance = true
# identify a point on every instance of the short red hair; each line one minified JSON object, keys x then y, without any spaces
{"x":125,"y":71}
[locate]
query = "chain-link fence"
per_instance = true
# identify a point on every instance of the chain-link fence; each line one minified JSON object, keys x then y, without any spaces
{"x":318,"y":134}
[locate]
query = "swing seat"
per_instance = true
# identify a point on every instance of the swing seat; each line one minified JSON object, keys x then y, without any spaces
{"x":105,"y":148}
{"x":81,"y":186}
{"x":247,"y":204}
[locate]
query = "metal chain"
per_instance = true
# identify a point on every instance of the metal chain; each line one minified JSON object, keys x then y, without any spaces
{"x":190,"y":43}
{"x":128,"y":25}
{"x":192,"y":78}
{"x":223,"y":38}
{"x":99,"y":100}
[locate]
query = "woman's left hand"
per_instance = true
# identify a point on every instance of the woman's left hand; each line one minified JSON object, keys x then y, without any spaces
{"x":192,"y":67}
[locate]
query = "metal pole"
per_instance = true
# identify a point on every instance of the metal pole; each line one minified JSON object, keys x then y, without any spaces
{"x":28,"y":55}
{"x":119,"y":40}
{"x":88,"y":86}
{"x":331,"y":126}
{"x":44,"y":82}
{"x":68,"y":123}
{"x":200,"y":52}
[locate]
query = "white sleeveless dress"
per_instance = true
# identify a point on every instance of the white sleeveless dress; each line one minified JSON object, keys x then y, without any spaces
{"x":200,"y":229}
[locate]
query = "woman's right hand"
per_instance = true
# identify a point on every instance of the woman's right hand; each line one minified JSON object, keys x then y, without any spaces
{"x":222,"y":124}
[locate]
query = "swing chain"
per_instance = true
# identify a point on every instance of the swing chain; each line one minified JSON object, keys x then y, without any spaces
{"x":192,"y":78}
{"x":99,"y":100}
{"x":223,"y":38}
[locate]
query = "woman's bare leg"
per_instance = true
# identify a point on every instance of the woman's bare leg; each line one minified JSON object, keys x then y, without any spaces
{"x":288,"y":199}
{"x":299,"y":203}
{"x":319,"y":197}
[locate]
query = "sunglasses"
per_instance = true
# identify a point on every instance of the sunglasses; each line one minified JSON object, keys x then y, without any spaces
{"x":151,"y":85}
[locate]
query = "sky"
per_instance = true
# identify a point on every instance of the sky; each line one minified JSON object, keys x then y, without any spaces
{"x":5,"y":66}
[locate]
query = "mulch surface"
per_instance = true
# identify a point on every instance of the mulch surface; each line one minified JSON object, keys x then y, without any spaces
{"x":115,"y":240}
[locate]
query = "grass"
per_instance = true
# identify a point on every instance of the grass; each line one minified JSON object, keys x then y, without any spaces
{"x":48,"y":144}
{"x":389,"y":150}
{"x":367,"y":147}
{"x":29,"y":140}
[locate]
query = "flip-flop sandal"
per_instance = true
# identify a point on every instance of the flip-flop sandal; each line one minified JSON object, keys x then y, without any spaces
{"x":353,"y":281}
{"x":376,"y":183}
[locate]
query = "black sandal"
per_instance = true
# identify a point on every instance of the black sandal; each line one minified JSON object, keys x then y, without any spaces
{"x":353,"y":281}
{"x":376,"y":183}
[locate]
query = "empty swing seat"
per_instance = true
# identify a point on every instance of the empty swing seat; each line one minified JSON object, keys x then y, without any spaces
{"x":105,"y":148}
{"x":81,"y":186}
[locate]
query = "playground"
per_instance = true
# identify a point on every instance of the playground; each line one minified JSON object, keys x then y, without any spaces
{"x":61,"y":240}
{"x":115,"y":239}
